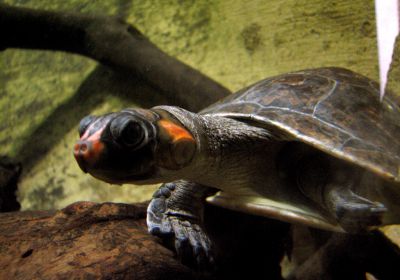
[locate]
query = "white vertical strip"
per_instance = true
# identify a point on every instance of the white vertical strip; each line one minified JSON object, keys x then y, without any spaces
{"x":387,"y":22}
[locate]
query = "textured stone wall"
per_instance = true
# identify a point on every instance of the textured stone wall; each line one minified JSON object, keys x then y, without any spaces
{"x":235,"y":42}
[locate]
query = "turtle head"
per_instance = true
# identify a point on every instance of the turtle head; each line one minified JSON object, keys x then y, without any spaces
{"x":133,"y":146}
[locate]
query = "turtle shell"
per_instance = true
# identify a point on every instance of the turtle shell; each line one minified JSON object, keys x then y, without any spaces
{"x":332,"y":109}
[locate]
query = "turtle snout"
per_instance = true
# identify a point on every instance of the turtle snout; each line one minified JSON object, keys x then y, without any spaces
{"x":86,"y":153}
{"x":81,"y":151}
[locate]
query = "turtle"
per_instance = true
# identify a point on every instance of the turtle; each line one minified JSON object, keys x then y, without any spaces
{"x":315,"y":147}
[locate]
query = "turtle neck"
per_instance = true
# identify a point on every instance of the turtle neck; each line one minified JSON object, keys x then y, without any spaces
{"x":231,"y":155}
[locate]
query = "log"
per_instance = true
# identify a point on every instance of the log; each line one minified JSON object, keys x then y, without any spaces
{"x":84,"y":241}
{"x":89,"y":240}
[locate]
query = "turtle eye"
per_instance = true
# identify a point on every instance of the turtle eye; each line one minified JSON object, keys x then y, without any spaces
{"x":84,"y":124}
{"x":128,"y":132}
{"x":132,"y":134}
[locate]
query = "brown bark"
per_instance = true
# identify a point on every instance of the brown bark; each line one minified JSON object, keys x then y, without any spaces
{"x":110,"y":241}
{"x":87,"y":240}
{"x":84,"y":241}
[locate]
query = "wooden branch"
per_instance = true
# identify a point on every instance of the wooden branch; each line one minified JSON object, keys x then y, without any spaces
{"x":110,"y":241}
{"x":112,"y":42}
{"x":84,"y":241}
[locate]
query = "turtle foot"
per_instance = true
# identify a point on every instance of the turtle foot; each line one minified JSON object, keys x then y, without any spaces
{"x":357,"y":214}
{"x":179,"y":229}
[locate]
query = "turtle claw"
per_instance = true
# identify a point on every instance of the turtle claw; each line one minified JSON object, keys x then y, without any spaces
{"x":191,"y":243}
{"x":357,"y":218}
{"x":357,"y":214}
{"x":179,"y":229}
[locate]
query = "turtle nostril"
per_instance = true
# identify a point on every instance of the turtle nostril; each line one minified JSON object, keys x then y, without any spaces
{"x":87,"y":153}
{"x":83,"y":147}
{"x":81,"y":154}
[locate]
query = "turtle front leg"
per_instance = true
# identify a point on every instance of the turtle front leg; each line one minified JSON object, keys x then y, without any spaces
{"x":176,"y":214}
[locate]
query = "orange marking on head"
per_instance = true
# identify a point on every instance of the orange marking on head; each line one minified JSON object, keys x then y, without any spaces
{"x":175,"y":131}
{"x":96,"y":147}
{"x":95,"y":135}
{"x":93,"y":154}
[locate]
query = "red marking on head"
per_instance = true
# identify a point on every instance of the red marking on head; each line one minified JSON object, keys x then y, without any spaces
{"x":175,"y":131}
{"x":89,"y":147}
{"x":95,"y":135}
{"x":86,"y":134}
{"x":97,"y":147}
{"x":92,"y":154}
{"x":77,"y":147}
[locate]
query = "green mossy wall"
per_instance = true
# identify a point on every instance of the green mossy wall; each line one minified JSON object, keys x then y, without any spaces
{"x":235,"y":42}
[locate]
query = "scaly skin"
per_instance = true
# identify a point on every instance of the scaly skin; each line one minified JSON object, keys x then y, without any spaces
{"x":176,"y":215}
